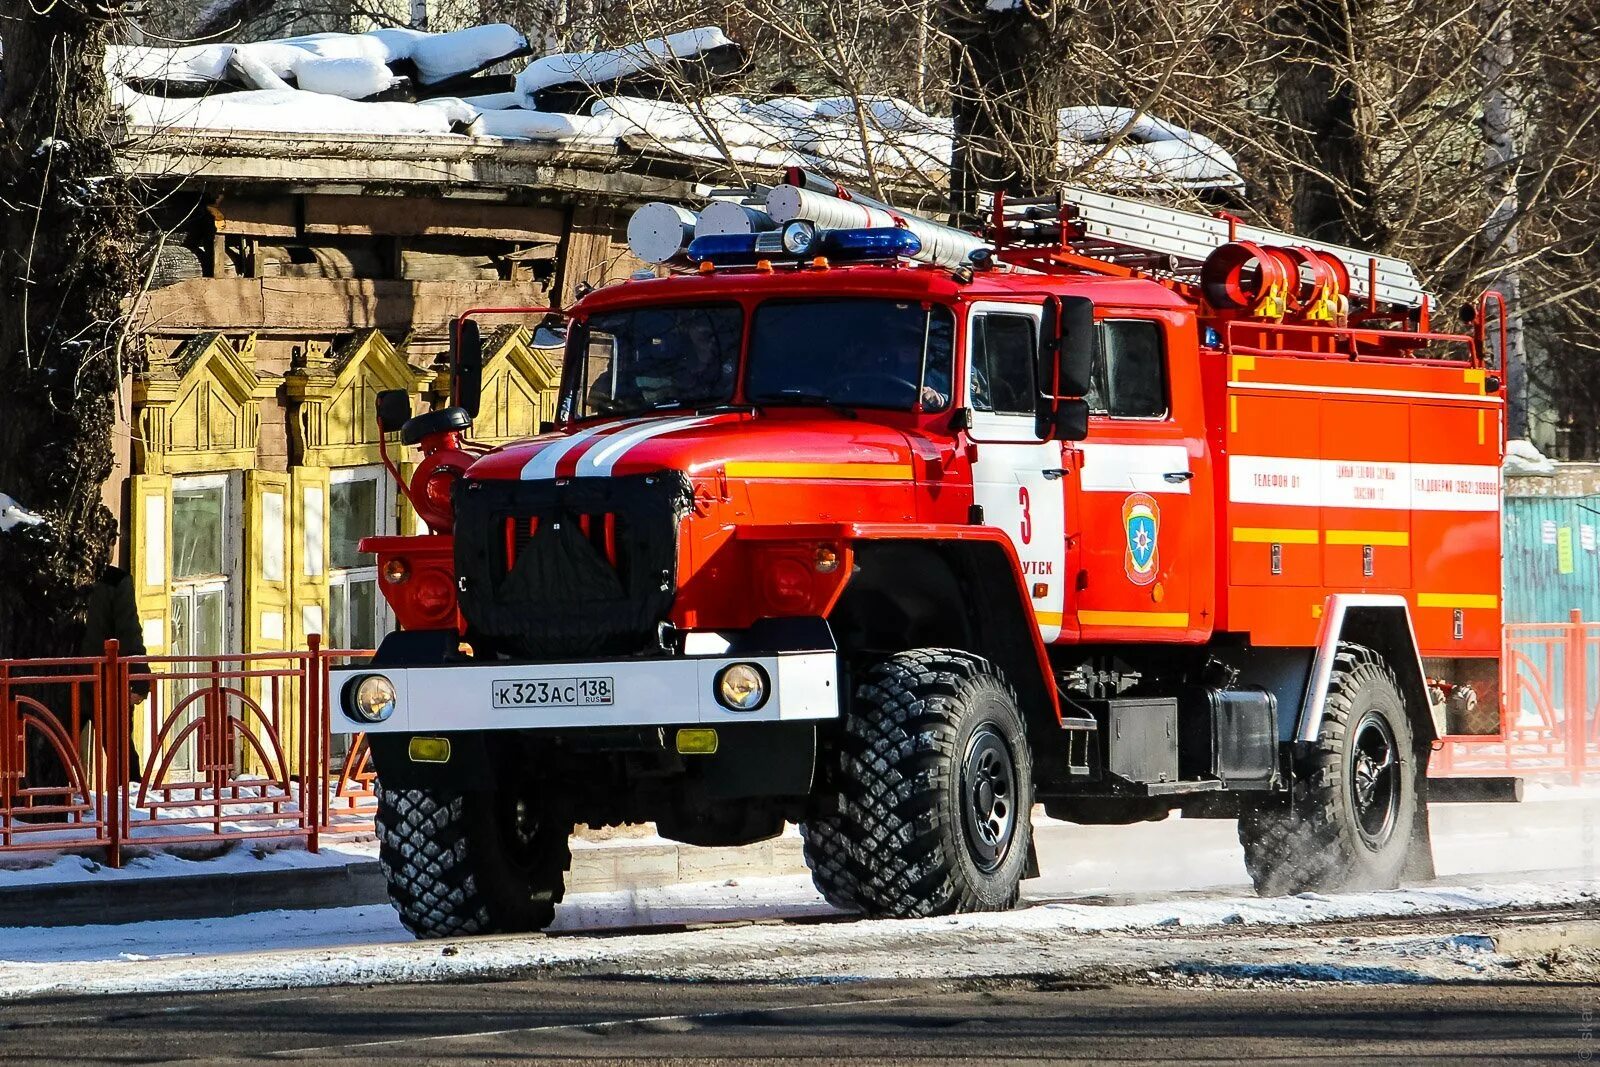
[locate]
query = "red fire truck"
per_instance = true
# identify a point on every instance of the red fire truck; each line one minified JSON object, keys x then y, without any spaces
{"x":1122,"y":511}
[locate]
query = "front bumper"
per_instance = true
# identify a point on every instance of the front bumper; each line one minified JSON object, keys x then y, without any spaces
{"x":664,"y":691}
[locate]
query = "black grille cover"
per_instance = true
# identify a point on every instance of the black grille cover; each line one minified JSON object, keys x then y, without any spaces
{"x":561,"y":597}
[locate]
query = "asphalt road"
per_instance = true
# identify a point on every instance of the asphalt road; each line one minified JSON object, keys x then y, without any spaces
{"x":1019,"y":1020}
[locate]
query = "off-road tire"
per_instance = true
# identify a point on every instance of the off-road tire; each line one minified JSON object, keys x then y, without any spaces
{"x":449,"y":867}
{"x":922,"y":725}
{"x":1317,"y":843}
{"x":825,"y":849}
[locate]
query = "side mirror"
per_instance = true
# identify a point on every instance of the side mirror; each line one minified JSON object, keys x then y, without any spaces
{"x":394,"y":409}
{"x":466,"y":366}
{"x":1068,"y":422}
{"x":1067,"y":342}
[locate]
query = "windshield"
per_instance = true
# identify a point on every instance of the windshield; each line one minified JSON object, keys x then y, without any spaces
{"x":642,"y":359}
{"x":867,"y":353}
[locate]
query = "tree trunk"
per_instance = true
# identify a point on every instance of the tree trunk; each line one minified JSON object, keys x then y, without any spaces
{"x":65,"y":270}
{"x":1007,"y":89}
{"x":1500,"y":165}
{"x":1318,"y":101}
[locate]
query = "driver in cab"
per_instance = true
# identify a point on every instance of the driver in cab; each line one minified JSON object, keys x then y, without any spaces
{"x":693,"y":366}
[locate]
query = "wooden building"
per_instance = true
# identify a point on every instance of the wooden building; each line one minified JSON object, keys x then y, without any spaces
{"x":295,"y":278}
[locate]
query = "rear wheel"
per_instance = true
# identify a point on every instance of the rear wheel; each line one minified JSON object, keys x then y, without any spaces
{"x":481,"y":862}
{"x":935,"y":787}
{"x":1349,"y":821}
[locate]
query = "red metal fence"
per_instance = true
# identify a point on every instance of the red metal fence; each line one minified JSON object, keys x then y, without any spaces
{"x":1550,"y":707}
{"x":112,"y":751}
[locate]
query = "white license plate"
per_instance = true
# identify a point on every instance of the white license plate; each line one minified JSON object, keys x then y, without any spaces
{"x":554,"y":692}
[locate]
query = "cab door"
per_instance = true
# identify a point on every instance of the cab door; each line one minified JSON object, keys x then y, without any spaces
{"x":1139,"y":504}
{"x":1016,"y":477}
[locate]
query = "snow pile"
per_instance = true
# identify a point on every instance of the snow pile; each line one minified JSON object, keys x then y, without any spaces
{"x":13,"y":514}
{"x":1523,"y":459}
{"x":351,"y":65}
{"x":603,"y":68}
{"x":1116,"y":145}
{"x":377,"y":83}
{"x":295,"y":111}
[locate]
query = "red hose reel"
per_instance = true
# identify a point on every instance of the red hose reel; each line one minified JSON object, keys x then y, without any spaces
{"x":1273,"y":282}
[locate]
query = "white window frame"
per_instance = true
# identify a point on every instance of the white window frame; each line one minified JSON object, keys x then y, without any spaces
{"x":232,"y":486}
{"x":388,"y":522}
{"x":991,"y":425}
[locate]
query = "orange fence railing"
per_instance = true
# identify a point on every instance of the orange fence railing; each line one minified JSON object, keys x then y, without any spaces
{"x":1549,"y":707}
{"x":115,"y":751}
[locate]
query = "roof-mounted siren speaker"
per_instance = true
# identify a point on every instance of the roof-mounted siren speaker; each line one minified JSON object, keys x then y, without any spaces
{"x":938,"y":244}
{"x":725,"y":216}
{"x":660,"y":233}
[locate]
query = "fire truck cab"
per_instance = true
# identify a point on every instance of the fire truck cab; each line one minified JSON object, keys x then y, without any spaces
{"x":896,"y":550}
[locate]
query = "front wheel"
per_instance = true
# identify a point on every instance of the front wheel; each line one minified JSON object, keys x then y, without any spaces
{"x":935,"y":790}
{"x":482,"y":862}
{"x":1348,"y":824}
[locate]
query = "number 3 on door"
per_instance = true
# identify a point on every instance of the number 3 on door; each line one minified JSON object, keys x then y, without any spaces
{"x":1026,"y":531}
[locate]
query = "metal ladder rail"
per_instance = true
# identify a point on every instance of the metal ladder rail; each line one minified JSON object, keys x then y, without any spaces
{"x":1189,"y":237}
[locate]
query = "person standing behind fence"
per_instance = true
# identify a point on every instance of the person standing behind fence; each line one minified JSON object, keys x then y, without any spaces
{"x":113,"y":614}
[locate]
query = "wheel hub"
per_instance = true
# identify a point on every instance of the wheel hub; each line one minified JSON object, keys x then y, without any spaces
{"x":988,"y":788}
{"x":1375,"y":780}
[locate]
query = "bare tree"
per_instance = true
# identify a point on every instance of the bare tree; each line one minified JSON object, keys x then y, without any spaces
{"x":67,"y":264}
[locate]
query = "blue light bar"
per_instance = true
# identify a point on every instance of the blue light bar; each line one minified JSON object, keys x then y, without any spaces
{"x":877,"y":242}
{"x":744,"y":249}
{"x":729,"y":249}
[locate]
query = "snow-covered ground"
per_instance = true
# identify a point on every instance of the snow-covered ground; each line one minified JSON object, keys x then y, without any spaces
{"x":47,"y":869}
{"x":366,"y":945}
{"x":1172,"y":878}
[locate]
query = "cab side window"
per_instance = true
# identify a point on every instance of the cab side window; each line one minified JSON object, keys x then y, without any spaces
{"x":1003,"y":364}
{"x":1129,"y":379}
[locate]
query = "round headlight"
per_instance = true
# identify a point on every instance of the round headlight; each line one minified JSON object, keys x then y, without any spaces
{"x":798,"y":237}
{"x":373,"y":699}
{"x":741,"y":687}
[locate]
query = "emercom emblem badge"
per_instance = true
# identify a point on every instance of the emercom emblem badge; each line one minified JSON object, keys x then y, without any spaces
{"x":1141,"y":519}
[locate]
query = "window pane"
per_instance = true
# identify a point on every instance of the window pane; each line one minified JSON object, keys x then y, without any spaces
{"x":182,"y":644}
{"x":339,"y":615}
{"x":659,"y":357}
{"x":210,"y":622}
{"x":354,"y":516}
{"x":197,"y":532}
{"x":363,"y":615}
{"x":871,"y":353}
{"x":1134,"y":369}
{"x":1007,"y":371}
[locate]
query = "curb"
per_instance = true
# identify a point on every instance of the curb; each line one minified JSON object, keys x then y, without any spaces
{"x":606,"y":868}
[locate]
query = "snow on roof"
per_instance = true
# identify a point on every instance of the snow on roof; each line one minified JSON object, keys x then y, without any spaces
{"x":323,"y":84}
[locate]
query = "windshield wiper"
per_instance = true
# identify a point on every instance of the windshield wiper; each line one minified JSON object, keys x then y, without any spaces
{"x":808,"y":398}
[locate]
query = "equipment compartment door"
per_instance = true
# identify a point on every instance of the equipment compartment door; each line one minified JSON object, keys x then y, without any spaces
{"x":1140,"y":498}
{"x":1017,"y":477}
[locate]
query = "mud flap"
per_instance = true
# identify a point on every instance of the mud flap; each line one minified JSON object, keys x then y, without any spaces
{"x":1419,"y":856}
{"x":1032,"y":869}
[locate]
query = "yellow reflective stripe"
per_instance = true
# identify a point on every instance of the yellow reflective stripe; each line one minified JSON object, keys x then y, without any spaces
{"x":832,"y":471}
{"x":1398,"y":538}
{"x":1171,"y":619}
{"x":1241,"y":364}
{"x":1474,"y":377}
{"x":1048,"y":618}
{"x":1233,"y":414}
{"x":1457,"y":600}
{"x":1261,"y":535}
